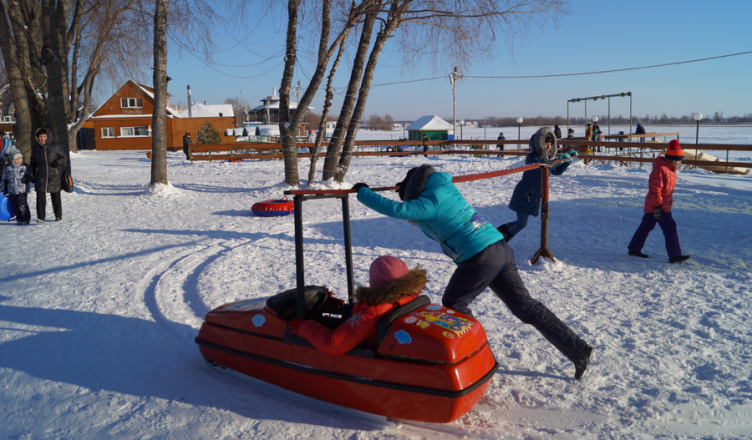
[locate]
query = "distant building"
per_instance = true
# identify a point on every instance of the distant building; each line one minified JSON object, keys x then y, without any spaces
{"x":124,"y":121}
{"x":268,"y":112}
{"x":432,"y":126}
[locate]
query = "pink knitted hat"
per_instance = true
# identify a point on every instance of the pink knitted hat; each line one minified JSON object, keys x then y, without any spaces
{"x":384,"y":270}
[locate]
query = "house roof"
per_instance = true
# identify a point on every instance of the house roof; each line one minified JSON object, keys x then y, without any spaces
{"x":275,"y":106}
{"x":199,"y":110}
{"x":150,"y":92}
{"x":430,"y":123}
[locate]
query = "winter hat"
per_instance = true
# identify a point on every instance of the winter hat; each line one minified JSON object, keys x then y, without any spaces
{"x":501,"y":134}
{"x":15,"y":154}
{"x":386,"y":269}
{"x":674,"y":151}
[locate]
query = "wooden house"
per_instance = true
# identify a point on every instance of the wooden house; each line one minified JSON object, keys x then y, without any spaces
{"x":124,"y":121}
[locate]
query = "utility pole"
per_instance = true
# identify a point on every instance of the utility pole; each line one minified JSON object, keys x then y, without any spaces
{"x":453,"y":79}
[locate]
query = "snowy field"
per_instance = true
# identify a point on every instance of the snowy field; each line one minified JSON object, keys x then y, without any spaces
{"x":98,"y":313}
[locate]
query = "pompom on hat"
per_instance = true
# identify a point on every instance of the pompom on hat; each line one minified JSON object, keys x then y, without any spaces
{"x":385,"y":270}
{"x":674,"y":151}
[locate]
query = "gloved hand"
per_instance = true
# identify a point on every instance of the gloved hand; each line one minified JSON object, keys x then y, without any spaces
{"x":28,"y":179}
{"x":398,"y":185}
{"x":54,"y":164}
{"x":294,"y":325}
{"x":573,"y":153}
{"x":658,"y":213}
{"x":359,"y":185}
{"x":566,"y":157}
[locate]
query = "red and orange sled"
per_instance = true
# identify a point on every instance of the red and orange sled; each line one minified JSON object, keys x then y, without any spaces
{"x":430,"y":363}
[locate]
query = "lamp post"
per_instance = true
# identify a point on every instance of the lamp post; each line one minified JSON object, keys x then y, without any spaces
{"x":697,"y":117}
{"x":519,"y":125}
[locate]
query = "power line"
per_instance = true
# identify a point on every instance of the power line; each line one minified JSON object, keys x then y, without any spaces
{"x":612,"y":71}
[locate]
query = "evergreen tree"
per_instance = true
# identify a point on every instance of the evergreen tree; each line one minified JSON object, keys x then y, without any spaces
{"x":208,"y":134}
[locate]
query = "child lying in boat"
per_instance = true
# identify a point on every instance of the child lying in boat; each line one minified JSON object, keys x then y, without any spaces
{"x":392,"y":285}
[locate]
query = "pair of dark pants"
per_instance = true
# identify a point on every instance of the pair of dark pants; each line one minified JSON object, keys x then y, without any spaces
{"x":494,"y":267}
{"x":667,"y":224}
{"x":21,"y":207}
{"x":57,"y":205}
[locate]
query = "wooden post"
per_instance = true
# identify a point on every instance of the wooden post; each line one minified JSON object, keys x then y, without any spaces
{"x":543,"y":251}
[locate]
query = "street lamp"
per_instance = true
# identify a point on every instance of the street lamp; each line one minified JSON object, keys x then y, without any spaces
{"x":697,"y":117}
{"x":519,"y":125}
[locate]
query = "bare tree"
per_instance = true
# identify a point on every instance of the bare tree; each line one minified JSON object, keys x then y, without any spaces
{"x":159,"y":115}
{"x":289,"y":122}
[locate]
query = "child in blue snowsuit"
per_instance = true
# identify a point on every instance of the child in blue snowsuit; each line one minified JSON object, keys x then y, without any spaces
{"x":484,"y":259}
{"x":13,"y":185}
{"x":526,"y":197}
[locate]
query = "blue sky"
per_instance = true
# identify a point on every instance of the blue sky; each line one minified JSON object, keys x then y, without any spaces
{"x":596,"y":36}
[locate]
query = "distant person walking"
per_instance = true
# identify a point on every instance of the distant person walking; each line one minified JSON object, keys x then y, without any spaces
{"x":557,"y":132}
{"x":640,"y":130}
{"x":425,"y":145}
{"x":4,"y":151}
{"x":311,"y":140}
{"x":526,"y":197}
{"x":500,"y":138}
{"x":597,"y":136}
{"x":187,"y":145}
{"x":570,"y":133}
{"x":658,"y":203}
{"x":46,"y":170}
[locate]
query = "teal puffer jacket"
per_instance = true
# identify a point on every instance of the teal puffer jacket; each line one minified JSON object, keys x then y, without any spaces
{"x":442,"y":214}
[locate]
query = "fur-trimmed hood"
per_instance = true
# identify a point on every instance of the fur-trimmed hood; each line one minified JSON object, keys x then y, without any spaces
{"x":409,"y":285}
{"x":415,"y":181}
{"x":48,"y":132}
{"x":538,"y":144}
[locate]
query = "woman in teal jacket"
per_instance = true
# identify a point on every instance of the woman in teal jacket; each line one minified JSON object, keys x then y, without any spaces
{"x":483,"y":257}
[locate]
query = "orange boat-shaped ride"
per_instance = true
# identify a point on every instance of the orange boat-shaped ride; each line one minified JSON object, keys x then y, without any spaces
{"x":430,"y":363}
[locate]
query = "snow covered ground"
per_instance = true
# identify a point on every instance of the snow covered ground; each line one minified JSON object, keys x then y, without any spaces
{"x":98,"y":313}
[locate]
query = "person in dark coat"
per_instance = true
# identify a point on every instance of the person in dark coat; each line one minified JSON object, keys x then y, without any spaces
{"x":46,"y":170}
{"x":557,"y":132}
{"x":186,"y":145}
{"x":640,"y":130}
{"x":657,"y":208}
{"x":500,"y":138}
{"x":425,"y":145}
{"x":484,"y":259}
{"x":526,"y":197}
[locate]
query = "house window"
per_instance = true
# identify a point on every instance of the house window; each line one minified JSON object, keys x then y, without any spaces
{"x":131,"y":102}
{"x":133,"y":131}
{"x":108,"y":132}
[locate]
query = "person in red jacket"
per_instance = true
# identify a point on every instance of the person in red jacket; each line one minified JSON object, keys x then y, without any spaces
{"x":392,"y":285}
{"x":658,"y":205}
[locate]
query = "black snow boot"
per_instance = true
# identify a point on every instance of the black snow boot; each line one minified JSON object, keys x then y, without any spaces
{"x":505,"y":232}
{"x":679,"y":259}
{"x":638,"y":254}
{"x":582,"y":361}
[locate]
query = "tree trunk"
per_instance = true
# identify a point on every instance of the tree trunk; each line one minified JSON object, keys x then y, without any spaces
{"x":335,"y":144}
{"x":23,"y":124}
{"x":393,"y":21}
{"x":325,"y":113}
{"x":159,"y":115}
{"x":55,"y":56}
{"x":288,"y":133}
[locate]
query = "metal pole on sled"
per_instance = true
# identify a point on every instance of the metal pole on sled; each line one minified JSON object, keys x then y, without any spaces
{"x":299,"y":255}
{"x":543,"y":251}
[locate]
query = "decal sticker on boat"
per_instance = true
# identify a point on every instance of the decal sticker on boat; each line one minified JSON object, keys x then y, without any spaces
{"x":403,"y":337}
{"x":410,"y":319}
{"x":423,"y":324}
{"x":449,"y":335}
{"x":258,"y":320}
{"x":432,"y":307}
{"x":452,"y":323}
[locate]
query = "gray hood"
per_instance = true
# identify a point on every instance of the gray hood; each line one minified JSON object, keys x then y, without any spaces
{"x":538,"y":144}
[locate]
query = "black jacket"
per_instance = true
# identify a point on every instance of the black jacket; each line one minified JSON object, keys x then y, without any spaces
{"x":46,"y":177}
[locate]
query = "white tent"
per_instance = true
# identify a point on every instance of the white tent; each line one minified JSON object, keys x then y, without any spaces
{"x":430,"y":123}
